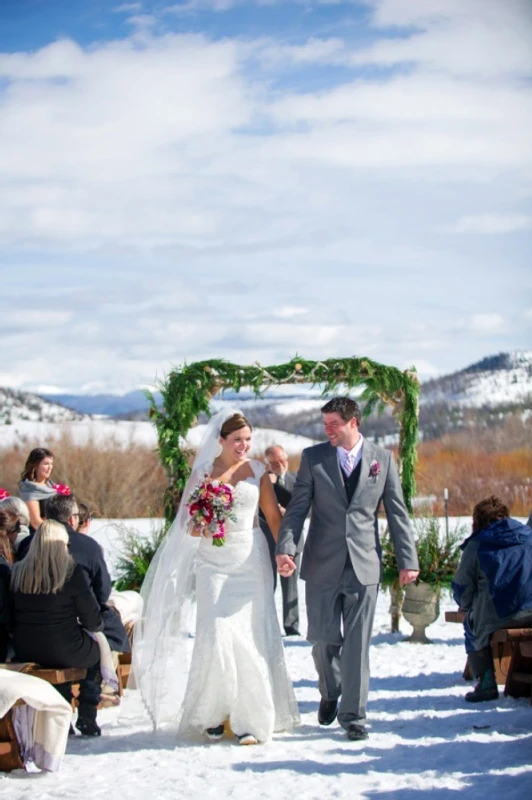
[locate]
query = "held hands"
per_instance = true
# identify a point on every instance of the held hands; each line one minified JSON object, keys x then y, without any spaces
{"x":285,"y":565}
{"x":407,"y":576}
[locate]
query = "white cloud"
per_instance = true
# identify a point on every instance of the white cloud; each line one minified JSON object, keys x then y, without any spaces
{"x":486,"y":323}
{"x":493,"y":223}
{"x":290,"y":311}
{"x":172,"y":194}
{"x":480,"y":37}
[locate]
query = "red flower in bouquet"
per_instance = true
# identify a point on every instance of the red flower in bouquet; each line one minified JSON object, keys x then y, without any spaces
{"x":60,"y":488}
{"x":3,"y":493}
{"x":210,"y":506}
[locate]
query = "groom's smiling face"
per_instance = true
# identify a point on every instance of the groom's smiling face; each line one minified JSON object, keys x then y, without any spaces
{"x":339,"y":432}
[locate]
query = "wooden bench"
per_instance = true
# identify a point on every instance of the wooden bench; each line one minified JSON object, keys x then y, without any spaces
{"x":508,"y":657}
{"x":10,"y":757}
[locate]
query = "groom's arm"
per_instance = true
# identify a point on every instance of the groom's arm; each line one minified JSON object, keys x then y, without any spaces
{"x":399,"y":521}
{"x":298,"y":508}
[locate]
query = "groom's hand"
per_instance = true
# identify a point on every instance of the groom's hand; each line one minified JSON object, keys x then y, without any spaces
{"x":407,"y":576}
{"x":285,"y":565}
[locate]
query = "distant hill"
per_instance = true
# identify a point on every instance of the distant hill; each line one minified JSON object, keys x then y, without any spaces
{"x":16,"y":406}
{"x":478,"y":396}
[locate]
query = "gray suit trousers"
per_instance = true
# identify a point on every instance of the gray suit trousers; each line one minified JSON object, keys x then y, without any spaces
{"x":340,"y":626}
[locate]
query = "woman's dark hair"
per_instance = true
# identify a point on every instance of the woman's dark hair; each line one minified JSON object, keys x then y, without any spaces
{"x":487,"y":512}
{"x":234,"y":423}
{"x":9,"y":525}
{"x":345,"y":407}
{"x":34,"y":459}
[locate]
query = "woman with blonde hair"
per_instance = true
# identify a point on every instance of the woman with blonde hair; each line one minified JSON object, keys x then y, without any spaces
{"x":53,"y":610}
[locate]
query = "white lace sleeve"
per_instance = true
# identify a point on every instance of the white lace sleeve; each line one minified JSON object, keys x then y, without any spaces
{"x":258,"y":468}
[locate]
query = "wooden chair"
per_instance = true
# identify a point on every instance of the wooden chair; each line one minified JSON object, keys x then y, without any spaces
{"x":512,"y":666}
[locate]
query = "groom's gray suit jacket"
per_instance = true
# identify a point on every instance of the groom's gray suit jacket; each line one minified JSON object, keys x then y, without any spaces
{"x":339,"y":528}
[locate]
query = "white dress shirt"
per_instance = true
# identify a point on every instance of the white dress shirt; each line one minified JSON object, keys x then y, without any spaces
{"x":355,"y":451}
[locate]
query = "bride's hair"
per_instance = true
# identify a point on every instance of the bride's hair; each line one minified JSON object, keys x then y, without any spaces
{"x":234,"y":423}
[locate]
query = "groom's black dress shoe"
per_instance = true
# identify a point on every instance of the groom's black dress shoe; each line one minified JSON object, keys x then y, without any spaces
{"x":356,"y":732}
{"x":327,"y":711}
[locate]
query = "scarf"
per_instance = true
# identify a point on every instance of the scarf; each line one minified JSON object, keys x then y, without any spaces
{"x":29,"y":490}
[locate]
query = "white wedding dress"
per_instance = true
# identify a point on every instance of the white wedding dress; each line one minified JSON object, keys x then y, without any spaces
{"x":238,"y":670}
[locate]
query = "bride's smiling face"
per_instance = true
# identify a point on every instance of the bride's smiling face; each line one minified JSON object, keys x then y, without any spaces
{"x":235,"y":446}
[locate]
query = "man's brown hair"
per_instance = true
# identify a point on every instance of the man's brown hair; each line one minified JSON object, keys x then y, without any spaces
{"x":489,"y":511}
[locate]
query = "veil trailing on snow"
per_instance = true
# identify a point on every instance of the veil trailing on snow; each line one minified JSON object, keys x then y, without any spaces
{"x":164,"y":637}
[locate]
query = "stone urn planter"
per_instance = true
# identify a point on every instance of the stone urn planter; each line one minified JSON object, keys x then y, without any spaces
{"x":421,"y":607}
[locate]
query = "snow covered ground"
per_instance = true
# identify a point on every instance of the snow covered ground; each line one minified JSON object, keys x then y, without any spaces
{"x":108,"y":433}
{"x":425,"y":740}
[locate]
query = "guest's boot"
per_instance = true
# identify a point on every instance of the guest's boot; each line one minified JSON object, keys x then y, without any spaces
{"x":86,"y":722}
{"x":486,"y":688}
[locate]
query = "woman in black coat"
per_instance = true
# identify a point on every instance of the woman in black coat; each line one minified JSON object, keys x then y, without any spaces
{"x":53,"y":608}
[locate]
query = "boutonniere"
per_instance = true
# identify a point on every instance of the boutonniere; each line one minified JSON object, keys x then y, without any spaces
{"x":3,"y":494}
{"x":374,"y":470}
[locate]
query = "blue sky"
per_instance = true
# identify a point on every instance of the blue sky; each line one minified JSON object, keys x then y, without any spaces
{"x":249,"y":180}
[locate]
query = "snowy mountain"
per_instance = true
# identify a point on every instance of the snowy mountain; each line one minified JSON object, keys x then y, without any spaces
{"x":18,"y":406}
{"x":475,"y":396}
{"x":504,"y":379}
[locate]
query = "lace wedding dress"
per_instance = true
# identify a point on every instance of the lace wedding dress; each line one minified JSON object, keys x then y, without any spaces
{"x":238,"y":670}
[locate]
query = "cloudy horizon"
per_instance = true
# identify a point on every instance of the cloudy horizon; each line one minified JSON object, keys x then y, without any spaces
{"x":251,"y":180}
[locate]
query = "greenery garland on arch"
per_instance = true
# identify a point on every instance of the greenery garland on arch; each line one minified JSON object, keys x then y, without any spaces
{"x":187,"y":391}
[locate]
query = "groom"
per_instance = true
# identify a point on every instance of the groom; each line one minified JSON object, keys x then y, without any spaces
{"x":343,"y":483}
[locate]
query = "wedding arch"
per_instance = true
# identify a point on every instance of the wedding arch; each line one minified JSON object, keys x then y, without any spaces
{"x":187,"y":391}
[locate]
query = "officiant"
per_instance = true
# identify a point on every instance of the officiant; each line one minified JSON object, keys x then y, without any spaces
{"x":283,"y":483}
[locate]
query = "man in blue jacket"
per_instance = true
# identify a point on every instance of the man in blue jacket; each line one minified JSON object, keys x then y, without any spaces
{"x":493,"y":585}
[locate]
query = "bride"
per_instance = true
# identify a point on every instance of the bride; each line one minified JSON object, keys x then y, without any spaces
{"x":209,"y":646}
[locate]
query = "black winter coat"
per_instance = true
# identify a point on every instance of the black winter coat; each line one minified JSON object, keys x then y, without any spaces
{"x":46,"y":627}
{"x":5,"y":610}
{"x":89,"y":555}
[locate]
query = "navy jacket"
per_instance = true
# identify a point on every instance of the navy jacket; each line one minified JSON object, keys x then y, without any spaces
{"x":493,"y":582}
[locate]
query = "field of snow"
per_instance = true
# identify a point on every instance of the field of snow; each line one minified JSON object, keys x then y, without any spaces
{"x":425,"y":740}
{"x":123,"y":433}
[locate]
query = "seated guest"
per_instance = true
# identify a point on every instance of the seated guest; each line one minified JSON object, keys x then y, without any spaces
{"x":88,"y":554}
{"x":84,"y":519}
{"x":9,"y":525}
{"x":128,"y":604}
{"x":53,"y":608}
{"x":35,"y":486}
{"x":493,"y":585}
{"x":19,"y":507}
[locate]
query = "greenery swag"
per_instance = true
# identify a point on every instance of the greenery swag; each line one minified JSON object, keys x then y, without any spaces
{"x":187,"y":391}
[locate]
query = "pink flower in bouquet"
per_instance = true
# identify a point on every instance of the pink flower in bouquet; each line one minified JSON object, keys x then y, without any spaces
{"x":3,"y":493}
{"x":210,"y":506}
{"x":60,"y":488}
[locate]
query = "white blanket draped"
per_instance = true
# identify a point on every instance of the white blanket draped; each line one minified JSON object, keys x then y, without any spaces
{"x":42,"y":725}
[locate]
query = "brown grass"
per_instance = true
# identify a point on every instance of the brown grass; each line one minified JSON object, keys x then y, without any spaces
{"x":113,"y":481}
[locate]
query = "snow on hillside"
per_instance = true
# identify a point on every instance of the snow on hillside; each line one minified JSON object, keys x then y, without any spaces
{"x":496,"y":380}
{"x":107,"y":433}
{"x":16,"y":406}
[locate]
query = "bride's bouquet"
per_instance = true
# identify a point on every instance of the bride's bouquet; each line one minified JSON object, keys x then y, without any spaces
{"x":210,"y":506}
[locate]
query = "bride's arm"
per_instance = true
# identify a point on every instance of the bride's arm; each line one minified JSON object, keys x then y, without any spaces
{"x":269,"y":505}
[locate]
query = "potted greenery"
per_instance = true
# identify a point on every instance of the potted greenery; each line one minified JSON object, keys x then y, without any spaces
{"x":439,"y":556}
{"x":135,"y":556}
